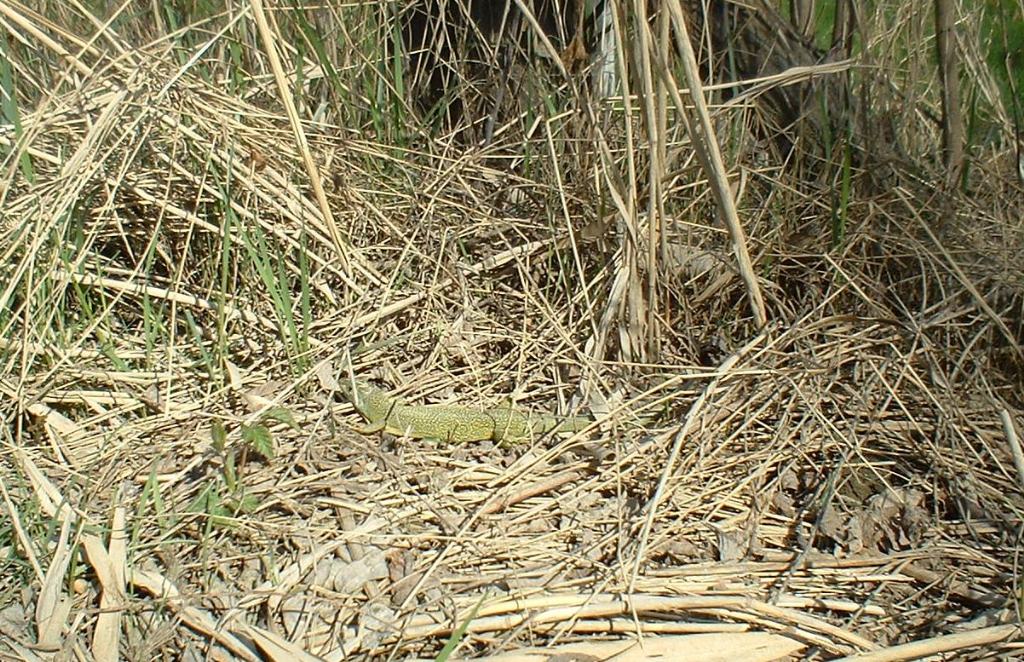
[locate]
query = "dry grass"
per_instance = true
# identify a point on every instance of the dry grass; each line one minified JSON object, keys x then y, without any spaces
{"x":175,"y":297}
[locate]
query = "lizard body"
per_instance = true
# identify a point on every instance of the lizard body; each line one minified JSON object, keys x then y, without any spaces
{"x":449,"y":422}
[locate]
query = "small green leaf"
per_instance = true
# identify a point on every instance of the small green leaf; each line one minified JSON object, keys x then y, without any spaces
{"x":258,"y":438}
{"x":205,"y":502}
{"x":230,"y":472}
{"x":247,"y":504}
{"x":281,"y":415}
{"x":219,"y":436}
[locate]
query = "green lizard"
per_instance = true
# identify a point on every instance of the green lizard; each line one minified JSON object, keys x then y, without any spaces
{"x":448,"y":422}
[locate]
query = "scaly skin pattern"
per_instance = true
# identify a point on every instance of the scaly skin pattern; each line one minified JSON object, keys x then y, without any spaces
{"x":452,"y":423}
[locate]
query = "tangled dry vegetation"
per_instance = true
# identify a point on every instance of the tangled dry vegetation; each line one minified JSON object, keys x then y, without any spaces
{"x":179,"y":480}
